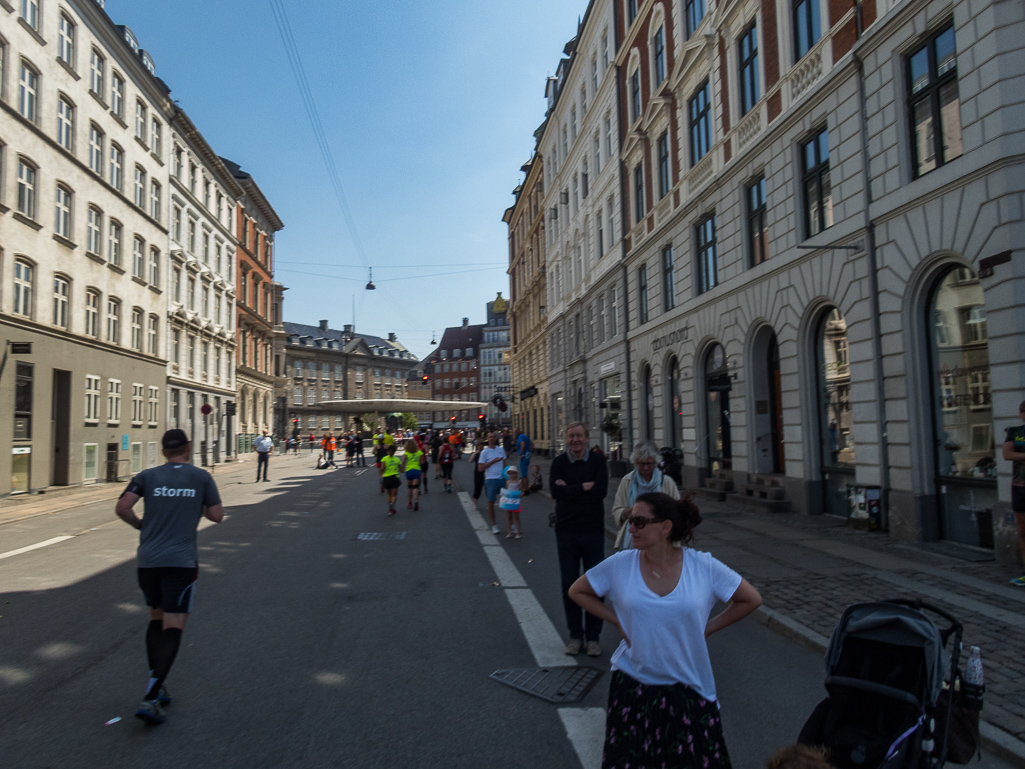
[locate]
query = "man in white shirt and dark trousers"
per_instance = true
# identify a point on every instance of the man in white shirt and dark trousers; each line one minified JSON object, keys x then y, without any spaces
{"x":491,"y":463}
{"x":264,"y":446}
{"x":579,"y":484}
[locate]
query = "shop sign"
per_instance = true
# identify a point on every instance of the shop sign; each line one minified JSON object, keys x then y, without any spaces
{"x":608,"y":367}
{"x":719,"y":383}
{"x":673,"y":337}
{"x":21,"y":450}
{"x":124,"y":443}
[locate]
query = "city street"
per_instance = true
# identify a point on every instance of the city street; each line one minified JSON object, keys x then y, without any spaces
{"x":312,"y":647}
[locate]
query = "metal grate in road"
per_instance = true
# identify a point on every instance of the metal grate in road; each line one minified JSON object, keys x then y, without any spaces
{"x":373,"y":536}
{"x":558,"y":685}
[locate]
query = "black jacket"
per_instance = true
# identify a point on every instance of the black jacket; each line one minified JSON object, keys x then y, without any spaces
{"x":578,"y":511}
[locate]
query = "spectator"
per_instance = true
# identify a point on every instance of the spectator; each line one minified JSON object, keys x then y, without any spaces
{"x":579,"y":484}
{"x":646,"y":477}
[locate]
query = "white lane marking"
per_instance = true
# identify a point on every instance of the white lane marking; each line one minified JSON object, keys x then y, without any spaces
{"x":36,"y":546}
{"x":585,"y":727}
{"x":544,"y":640}
{"x":507,"y":573}
{"x":586,"y":730}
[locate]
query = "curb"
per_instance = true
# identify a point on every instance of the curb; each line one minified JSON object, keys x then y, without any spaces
{"x":994,"y":739}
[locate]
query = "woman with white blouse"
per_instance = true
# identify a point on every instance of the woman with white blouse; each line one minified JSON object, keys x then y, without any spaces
{"x":662,"y":709}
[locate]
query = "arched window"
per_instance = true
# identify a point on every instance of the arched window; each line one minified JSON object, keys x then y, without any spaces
{"x":717,"y":388}
{"x":673,"y":404}
{"x":61,"y":293}
{"x":113,"y":320}
{"x":648,"y":393}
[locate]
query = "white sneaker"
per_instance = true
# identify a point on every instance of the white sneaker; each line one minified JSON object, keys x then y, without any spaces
{"x":494,"y":530}
{"x":515,"y":530}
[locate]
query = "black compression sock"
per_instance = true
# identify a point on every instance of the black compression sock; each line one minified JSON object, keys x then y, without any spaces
{"x":163,"y":657}
{"x":153,"y":631}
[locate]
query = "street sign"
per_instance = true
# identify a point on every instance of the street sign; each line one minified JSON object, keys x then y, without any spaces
{"x":124,"y":443}
{"x":206,"y":409}
{"x":229,"y":408}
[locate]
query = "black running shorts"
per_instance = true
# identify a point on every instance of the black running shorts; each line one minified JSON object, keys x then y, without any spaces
{"x":1018,"y":499}
{"x":446,"y":471}
{"x":169,"y":588}
{"x":391,"y":482}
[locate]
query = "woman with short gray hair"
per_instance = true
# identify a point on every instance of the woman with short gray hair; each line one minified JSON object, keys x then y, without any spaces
{"x":646,"y":477}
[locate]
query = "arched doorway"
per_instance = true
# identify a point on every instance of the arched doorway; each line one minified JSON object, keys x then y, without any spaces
{"x":965,"y":457}
{"x":836,"y":440}
{"x":717,"y":413}
{"x":672,"y":403}
{"x":649,"y":404}
{"x":768,"y":403}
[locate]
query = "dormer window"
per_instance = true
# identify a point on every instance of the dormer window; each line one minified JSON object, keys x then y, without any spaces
{"x":133,"y":43}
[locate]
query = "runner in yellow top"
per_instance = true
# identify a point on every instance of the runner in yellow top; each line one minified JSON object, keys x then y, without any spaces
{"x":411,"y":467}
{"x":389,"y":440}
{"x":388,"y":466}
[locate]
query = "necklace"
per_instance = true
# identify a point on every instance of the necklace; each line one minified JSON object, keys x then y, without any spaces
{"x":656,"y":574}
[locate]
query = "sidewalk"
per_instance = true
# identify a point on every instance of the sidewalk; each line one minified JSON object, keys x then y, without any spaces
{"x":810,"y":568}
{"x":56,"y":499}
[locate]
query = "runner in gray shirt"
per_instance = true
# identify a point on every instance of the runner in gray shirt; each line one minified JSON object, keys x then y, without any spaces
{"x":177,"y":495}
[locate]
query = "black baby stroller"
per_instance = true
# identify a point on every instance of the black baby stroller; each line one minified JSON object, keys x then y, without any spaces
{"x":885,"y":669}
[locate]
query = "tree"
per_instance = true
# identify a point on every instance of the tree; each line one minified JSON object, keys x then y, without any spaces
{"x":371,"y":421}
{"x":408,"y":420}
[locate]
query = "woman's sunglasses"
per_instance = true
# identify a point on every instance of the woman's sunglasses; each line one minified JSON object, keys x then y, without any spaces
{"x":639,"y":522}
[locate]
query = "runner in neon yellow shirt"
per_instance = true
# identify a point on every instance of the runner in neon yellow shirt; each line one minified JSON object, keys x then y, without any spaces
{"x":411,"y":467}
{"x":389,"y":466}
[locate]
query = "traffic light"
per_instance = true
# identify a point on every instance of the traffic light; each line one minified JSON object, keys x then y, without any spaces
{"x":480,"y":419}
{"x":425,"y":378}
{"x":452,"y":419}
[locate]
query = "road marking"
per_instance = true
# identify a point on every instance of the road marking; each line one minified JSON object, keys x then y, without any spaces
{"x":585,"y":727}
{"x":586,"y":730}
{"x":36,"y":546}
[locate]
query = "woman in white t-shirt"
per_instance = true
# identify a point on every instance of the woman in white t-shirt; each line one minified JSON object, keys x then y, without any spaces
{"x":662,"y":706}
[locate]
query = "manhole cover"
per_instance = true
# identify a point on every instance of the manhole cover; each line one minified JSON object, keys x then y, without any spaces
{"x":558,"y":685}
{"x":375,"y":535}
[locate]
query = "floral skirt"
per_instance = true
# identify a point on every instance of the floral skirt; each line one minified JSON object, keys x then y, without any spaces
{"x":661,"y":727}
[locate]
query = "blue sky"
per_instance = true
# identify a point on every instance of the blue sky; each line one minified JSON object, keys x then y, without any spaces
{"x":429,"y":110}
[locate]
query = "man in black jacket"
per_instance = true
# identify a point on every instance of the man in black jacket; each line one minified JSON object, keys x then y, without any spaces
{"x":579,"y":483}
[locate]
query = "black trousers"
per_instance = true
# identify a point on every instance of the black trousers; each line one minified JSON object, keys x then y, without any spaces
{"x":262,"y":458}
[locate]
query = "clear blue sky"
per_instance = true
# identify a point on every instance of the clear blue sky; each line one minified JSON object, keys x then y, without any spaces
{"x":429,"y":110}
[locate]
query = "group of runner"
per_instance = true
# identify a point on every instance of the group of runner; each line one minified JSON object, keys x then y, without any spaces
{"x":420,"y":451}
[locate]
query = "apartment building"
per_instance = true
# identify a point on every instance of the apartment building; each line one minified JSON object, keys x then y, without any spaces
{"x":456,"y":366}
{"x":83,"y":246}
{"x":323,"y":364}
{"x":495,"y":376}
{"x":201,"y":296}
{"x":585,"y":318}
{"x":258,"y":308}
{"x":528,"y":289}
{"x":822,"y":265}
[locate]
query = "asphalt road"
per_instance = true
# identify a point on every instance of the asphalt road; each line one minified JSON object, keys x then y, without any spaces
{"x":310,"y":647}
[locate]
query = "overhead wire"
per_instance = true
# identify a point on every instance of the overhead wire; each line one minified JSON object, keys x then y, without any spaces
{"x":310,"y":105}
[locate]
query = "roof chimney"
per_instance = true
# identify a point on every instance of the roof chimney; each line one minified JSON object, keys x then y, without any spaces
{"x":323,"y":325}
{"x":391,"y":336}
{"x":466,"y":322}
{"x":347,"y":329}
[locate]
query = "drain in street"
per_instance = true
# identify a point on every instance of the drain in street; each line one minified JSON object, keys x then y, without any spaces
{"x":559,"y":685}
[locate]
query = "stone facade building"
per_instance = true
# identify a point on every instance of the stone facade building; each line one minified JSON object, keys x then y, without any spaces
{"x":258,"y":308}
{"x":201,"y":295}
{"x":585,"y":308}
{"x":457,"y":374}
{"x":822,"y":305}
{"x":528,"y":288}
{"x":83,"y":247}
{"x":324,"y":364}
{"x":495,"y":380}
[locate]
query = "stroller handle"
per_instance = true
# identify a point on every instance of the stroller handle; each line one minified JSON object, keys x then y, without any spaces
{"x":918,"y":604}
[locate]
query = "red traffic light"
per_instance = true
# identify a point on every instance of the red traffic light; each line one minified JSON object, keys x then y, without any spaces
{"x":425,"y":378}
{"x":480,"y":417}
{"x":452,"y":418}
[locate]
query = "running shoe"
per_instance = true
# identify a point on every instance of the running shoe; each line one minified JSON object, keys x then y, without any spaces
{"x":150,"y":711}
{"x":1019,"y":581}
{"x":164,"y":696}
{"x":391,"y":511}
{"x":494,"y":530}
